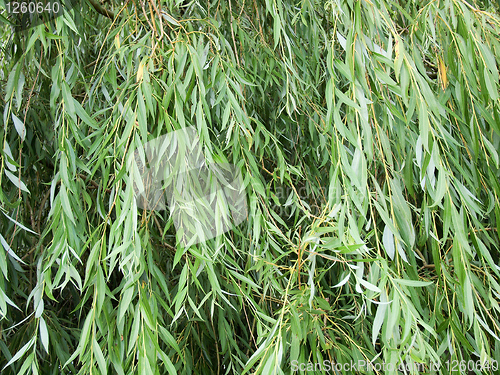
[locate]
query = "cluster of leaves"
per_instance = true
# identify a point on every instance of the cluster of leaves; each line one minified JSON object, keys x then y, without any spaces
{"x":384,"y":115}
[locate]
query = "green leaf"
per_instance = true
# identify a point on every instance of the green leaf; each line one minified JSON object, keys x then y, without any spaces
{"x":84,"y":334}
{"x":127,"y":296}
{"x":18,"y":223}
{"x":84,"y":115}
{"x":343,"y":281}
{"x":12,"y":80}
{"x":379,"y":317}
{"x":369,"y":286}
{"x":170,"y":19}
{"x":414,"y":283}
{"x":44,"y":334}
{"x":99,"y":356}
{"x":388,"y":241}
{"x":65,"y":204}
{"x":19,"y":125}
{"x":8,"y":250}
{"x":20,"y":352}
{"x":16,"y":181}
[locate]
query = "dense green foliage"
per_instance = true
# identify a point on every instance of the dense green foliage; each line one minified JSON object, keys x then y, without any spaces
{"x":367,"y":134}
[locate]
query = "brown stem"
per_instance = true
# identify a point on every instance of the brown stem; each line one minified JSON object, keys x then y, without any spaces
{"x":100,"y":9}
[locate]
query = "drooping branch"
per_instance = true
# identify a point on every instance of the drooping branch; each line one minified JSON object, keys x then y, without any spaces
{"x":100,"y":9}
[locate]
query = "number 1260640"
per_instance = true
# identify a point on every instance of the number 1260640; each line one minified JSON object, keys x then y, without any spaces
{"x":32,"y":7}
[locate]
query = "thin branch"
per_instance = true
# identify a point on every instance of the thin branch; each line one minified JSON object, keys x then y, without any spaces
{"x":232,"y":34}
{"x":100,"y":9}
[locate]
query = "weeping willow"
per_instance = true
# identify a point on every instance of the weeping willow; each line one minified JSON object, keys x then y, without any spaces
{"x":366,"y":135}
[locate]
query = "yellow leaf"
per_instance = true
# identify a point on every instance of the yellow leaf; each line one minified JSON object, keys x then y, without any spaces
{"x":442,"y":74}
{"x":398,"y":59}
{"x":117,"y":41}
{"x":140,"y":72}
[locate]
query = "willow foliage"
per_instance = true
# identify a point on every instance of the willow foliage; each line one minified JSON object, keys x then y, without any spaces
{"x":367,"y":134}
